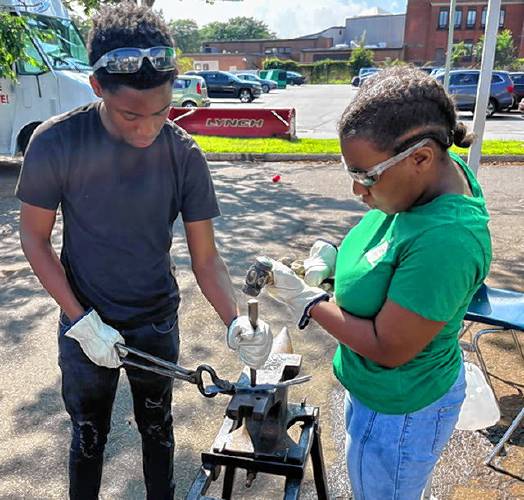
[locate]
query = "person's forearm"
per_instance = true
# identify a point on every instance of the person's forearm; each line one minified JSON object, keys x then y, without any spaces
{"x":357,"y":333}
{"x":215,"y":283}
{"x":48,"y":269}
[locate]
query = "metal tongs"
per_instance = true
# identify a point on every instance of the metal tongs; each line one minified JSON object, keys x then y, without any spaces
{"x":219,"y":386}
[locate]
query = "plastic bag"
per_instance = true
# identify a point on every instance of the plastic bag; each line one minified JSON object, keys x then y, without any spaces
{"x":480,"y":408}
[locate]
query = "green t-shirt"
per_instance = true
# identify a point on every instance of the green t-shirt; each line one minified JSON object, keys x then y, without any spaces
{"x":431,"y":260}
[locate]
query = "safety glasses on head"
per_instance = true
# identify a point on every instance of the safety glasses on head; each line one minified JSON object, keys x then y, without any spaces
{"x":370,"y":177}
{"x":130,"y":59}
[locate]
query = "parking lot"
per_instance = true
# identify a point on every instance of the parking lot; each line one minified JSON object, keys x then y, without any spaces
{"x":258,"y":217}
{"x":320,"y":106}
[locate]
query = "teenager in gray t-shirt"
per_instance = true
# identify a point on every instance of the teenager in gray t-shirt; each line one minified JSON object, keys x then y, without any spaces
{"x":121,"y":175}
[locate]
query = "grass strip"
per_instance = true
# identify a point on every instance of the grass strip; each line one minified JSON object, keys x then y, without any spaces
{"x":212,"y":144}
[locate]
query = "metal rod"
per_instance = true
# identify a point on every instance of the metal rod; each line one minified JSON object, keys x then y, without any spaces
{"x":484,"y":86}
{"x":252,"y":312}
{"x":449,"y":53}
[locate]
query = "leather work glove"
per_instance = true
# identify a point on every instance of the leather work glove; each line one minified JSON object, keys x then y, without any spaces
{"x":289,"y":289}
{"x":320,"y":264}
{"x":97,"y":340}
{"x":253,"y":346}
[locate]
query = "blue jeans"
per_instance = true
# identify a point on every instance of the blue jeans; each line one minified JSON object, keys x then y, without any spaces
{"x":390,"y":457}
{"x":89,"y":390}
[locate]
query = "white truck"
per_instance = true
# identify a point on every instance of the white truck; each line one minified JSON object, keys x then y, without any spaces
{"x":60,"y":82}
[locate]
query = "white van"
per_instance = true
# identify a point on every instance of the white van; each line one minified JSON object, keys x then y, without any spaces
{"x":59,"y":85}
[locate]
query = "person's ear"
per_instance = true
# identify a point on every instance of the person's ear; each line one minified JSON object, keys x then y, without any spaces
{"x":423,"y":158}
{"x":95,"y":85}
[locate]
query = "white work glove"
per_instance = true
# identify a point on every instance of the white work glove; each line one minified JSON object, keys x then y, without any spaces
{"x":288,"y":288}
{"x":97,"y":340}
{"x":253,"y":346}
{"x":321,"y":262}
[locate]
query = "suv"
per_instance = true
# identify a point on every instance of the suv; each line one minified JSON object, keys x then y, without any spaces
{"x":189,"y":91}
{"x":266,"y":85}
{"x":463,"y":86}
{"x":518,"y":91}
{"x":224,"y":84}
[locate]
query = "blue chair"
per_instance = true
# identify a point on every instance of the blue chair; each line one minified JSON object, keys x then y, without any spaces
{"x":502,"y":310}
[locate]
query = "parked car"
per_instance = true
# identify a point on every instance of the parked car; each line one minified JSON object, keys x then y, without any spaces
{"x":437,"y":71}
{"x":363,"y":73}
{"x":190,"y":91}
{"x":463,"y":86}
{"x":294,"y":78}
{"x":224,"y":84}
{"x":266,"y":85}
{"x":518,"y":92}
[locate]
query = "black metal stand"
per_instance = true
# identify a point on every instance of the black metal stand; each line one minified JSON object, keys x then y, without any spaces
{"x":290,"y":464}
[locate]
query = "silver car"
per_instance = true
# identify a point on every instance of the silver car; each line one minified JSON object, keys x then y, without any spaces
{"x":190,"y":91}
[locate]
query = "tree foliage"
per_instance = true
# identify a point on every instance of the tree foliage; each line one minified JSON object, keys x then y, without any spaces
{"x":505,"y":53}
{"x":13,"y":33}
{"x":276,"y":63}
{"x":458,"y":51}
{"x":236,"y":28}
{"x":186,"y":34}
{"x":360,"y":58}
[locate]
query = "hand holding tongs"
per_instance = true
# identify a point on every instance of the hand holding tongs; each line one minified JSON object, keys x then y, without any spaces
{"x":220,"y":386}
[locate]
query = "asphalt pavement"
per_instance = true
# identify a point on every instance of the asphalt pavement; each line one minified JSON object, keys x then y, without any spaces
{"x":319,"y":108}
{"x":258,"y":217}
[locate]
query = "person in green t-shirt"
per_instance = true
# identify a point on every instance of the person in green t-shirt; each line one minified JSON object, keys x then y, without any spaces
{"x":404,"y":277}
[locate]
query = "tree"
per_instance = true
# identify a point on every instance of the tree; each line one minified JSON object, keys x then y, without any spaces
{"x":183,"y":64}
{"x":13,"y":33}
{"x":504,"y":50}
{"x":186,"y":35}
{"x":458,"y":51}
{"x":360,"y":58}
{"x":236,"y":28}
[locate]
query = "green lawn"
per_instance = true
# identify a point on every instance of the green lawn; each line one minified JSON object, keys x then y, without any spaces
{"x":321,"y":146}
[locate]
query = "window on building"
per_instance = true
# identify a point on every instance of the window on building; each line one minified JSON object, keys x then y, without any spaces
{"x":458,"y":19}
{"x":205,"y":66}
{"x":502,"y":17}
{"x":443,"y":19}
{"x":471,"y":18}
{"x":440,"y":56}
{"x":198,"y":66}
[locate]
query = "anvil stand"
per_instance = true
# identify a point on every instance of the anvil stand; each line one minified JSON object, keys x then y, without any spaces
{"x":254,"y":437}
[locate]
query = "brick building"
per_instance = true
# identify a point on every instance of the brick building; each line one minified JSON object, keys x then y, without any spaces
{"x":283,"y":48}
{"x":426,"y":31}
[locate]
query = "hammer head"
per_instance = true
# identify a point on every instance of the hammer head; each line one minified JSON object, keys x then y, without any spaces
{"x":258,"y":276}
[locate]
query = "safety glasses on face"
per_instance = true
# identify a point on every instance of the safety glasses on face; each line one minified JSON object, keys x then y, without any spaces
{"x":130,"y":59}
{"x":370,"y":177}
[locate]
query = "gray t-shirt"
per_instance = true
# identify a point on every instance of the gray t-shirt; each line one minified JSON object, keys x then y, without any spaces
{"x":118,"y":204}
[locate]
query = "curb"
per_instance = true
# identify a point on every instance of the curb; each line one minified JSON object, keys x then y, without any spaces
{"x":274,"y":157}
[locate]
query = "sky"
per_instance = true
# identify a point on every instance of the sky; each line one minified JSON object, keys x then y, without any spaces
{"x":288,"y":18}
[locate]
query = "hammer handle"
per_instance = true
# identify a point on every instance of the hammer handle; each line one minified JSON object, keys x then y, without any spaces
{"x":252,"y":312}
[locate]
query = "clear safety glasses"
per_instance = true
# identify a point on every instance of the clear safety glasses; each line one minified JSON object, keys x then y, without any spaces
{"x":370,"y":177}
{"x":130,"y":59}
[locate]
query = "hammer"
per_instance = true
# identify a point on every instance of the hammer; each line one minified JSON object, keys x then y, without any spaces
{"x":258,"y":276}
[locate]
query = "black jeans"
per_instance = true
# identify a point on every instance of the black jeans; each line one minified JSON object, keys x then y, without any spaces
{"x":89,"y":390}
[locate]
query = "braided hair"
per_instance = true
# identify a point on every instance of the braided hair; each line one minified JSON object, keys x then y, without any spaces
{"x":397,"y":100}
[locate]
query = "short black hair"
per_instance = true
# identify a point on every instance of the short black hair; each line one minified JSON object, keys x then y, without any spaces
{"x":397,"y":100}
{"x":128,"y":25}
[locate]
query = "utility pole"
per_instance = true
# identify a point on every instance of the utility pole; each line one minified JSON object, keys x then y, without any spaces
{"x":484,"y":86}
{"x":451,"y":30}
